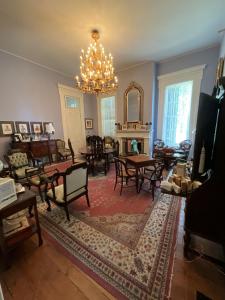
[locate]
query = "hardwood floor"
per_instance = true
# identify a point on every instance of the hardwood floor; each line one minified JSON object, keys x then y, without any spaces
{"x":45,"y":274}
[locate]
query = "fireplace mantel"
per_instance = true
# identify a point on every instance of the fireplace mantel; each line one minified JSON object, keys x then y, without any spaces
{"x":139,"y":134}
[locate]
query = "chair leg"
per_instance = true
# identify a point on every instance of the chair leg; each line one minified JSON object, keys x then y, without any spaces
{"x":121,"y":188}
{"x":153,"y":190}
{"x":87,"y":197}
{"x":67,"y":213}
{"x":115,"y":184}
{"x":49,"y":204}
{"x":40,"y":193}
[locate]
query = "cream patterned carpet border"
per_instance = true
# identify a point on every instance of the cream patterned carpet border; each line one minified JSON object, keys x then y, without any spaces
{"x":140,"y":272}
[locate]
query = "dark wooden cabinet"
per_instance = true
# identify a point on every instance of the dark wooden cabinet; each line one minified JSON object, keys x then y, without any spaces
{"x":205,"y":208}
{"x":38,"y":149}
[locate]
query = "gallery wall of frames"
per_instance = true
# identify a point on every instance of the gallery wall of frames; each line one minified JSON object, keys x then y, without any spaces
{"x":26,"y":131}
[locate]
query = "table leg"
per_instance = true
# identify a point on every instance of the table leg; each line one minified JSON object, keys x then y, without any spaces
{"x":37,"y":224}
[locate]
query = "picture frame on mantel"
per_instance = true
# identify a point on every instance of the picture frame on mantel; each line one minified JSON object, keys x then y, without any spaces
{"x":7,"y":128}
{"x":45,"y":126}
{"x":88,"y":123}
{"x":22,"y":127}
{"x":36,"y":127}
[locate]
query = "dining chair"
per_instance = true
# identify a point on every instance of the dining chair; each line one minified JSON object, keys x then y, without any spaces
{"x":153,"y":174}
{"x":72,"y":151}
{"x":74,"y":185}
{"x":123,"y":174}
{"x":99,"y":160}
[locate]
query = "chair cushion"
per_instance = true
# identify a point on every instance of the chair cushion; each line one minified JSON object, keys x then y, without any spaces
{"x":64,"y":152}
{"x":37,"y":180}
{"x":59,"y":193}
{"x":130,"y":172}
{"x":21,"y":172}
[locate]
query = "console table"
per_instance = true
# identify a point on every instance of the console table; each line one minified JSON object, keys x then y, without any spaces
{"x":24,"y":200}
{"x":38,"y":149}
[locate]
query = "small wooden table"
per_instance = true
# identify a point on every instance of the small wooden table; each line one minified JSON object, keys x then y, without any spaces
{"x":138,"y":162}
{"x":24,"y":200}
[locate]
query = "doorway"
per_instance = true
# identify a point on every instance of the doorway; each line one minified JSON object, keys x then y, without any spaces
{"x":72,"y":110}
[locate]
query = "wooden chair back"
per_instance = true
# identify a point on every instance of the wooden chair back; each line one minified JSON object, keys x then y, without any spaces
{"x":72,"y":151}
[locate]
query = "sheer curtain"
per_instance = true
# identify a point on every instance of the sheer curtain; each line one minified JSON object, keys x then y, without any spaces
{"x":176,"y":116}
{"x":108,"y":115}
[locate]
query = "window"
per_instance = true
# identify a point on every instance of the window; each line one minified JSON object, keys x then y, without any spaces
{"x":178,"y":105}
{"x":107,"y":115}
{"x":176,"y":118}
{"x":71,"y":102}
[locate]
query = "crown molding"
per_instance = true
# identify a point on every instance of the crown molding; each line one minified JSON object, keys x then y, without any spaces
{"x":135,"y":65}
{"x":188,"y":53}
{"x":198,"y":68}
{"x":36,"y":63}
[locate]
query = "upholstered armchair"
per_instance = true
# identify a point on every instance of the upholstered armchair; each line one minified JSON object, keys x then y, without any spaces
{"x":19,"y":164}
{"x":39,"y":179}
{"x":74,"y":185}
{"x":63,"y":152}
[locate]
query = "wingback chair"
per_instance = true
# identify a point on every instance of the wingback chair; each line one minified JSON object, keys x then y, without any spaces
{"x":18,"y":165}
{"x":74,"y":185}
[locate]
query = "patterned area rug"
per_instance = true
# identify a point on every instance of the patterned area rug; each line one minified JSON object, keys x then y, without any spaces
{"x":126,"y":243}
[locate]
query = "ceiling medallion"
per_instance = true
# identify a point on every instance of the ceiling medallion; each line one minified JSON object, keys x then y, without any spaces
{"x":96,"y":69}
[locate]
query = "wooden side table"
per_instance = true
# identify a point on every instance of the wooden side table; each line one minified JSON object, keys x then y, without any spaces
{"x":24,"y":200}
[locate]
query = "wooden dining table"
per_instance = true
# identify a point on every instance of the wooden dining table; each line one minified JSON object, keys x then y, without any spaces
{"x":138,"y":162}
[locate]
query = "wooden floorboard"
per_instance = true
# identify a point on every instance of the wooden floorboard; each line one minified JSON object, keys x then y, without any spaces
{"x":43,"y":273}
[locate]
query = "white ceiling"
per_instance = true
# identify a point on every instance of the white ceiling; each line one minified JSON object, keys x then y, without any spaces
{"x":52,"y":32}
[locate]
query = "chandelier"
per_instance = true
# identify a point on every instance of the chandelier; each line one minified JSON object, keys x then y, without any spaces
{"x":96,"y":69}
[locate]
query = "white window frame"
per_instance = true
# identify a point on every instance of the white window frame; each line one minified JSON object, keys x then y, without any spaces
{"x":194,"y":74}
{"x":99,"y":97}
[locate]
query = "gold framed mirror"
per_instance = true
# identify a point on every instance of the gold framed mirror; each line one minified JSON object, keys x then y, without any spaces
{"x":133,"y":103}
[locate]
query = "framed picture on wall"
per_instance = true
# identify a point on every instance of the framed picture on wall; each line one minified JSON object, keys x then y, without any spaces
{"x":6,"y":128}
{"x":89,"y":123}
{"x":46,"y":126}
{"x":22,"y":127}
{"x":36,"y":127}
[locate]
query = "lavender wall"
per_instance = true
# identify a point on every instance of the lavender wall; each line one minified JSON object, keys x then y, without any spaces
{"x":90,"y":111}
{"x":143,"y":75}
{"x":29,"y":92}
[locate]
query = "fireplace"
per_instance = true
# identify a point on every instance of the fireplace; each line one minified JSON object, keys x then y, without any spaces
{"x":143,"y":137}
{"x":127,"y":147}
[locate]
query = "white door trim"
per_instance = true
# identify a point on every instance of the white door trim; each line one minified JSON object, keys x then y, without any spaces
{"x":62,"y":89}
